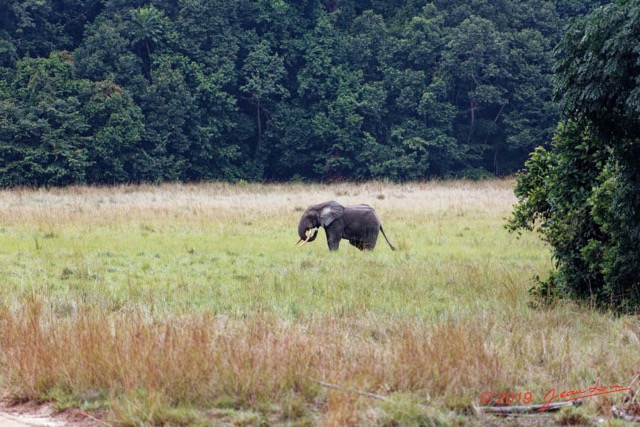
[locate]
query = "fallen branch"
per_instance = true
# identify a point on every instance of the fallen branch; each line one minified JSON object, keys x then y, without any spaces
{"x":621,"y":413}
{"x":350,"y":390}
{"x":360,"y":392}
{"x":502,"y":410}
{"x":84,"y":414}
{"x":506,"y":410}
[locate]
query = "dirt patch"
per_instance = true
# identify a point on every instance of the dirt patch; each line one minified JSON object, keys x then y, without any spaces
{"x":31,"y":414}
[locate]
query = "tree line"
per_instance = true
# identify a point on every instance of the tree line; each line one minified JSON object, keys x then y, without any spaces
{"x":108,"y":91}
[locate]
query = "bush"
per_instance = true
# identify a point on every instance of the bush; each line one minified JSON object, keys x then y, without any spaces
{"x":584,"y":195}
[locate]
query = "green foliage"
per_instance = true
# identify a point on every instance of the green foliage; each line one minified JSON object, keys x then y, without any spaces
{"x":170,"y":119}
{"x":59,"y":130}
{"x":44,"y":133}
{"x":585,"y":193}
{"x":147,"y":27}
{"x":554,"y":193}
{"x":263,"y":71}
{"x":271,"y":90}
{"x":598,"y":73}
{"x":116,"y":129}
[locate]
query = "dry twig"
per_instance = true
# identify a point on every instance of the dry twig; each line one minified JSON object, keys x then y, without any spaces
{"x":507,"y":410}
{"x":621,"y":413}
{"x":350,"y":390}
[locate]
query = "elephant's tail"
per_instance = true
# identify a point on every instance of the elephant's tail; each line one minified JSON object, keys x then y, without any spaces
{"x":393,"y":248}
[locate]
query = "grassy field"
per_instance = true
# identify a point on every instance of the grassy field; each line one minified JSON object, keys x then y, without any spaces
{"x":190,"y":305}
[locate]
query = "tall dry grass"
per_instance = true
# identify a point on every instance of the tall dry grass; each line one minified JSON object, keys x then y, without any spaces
{"x":273,"y":365}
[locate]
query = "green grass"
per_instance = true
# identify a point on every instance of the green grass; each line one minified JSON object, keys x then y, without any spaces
{"x":244,"y":264}
{"x":191,"y":305}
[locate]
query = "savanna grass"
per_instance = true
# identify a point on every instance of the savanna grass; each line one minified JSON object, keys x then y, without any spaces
{"x":189,"y":304}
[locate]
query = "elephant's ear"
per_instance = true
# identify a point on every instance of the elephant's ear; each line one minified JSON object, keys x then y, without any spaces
{"x":331,"y":212}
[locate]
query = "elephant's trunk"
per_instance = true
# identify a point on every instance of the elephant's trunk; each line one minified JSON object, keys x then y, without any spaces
{"x":303,"y":229}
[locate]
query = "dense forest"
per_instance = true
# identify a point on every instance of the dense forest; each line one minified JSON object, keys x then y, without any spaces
{"x":108,"y":91}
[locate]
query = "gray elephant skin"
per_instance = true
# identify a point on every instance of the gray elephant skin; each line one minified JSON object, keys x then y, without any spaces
{"x":359,"y":224}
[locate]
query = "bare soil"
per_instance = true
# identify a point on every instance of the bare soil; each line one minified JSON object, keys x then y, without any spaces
{"x":43,"y":415}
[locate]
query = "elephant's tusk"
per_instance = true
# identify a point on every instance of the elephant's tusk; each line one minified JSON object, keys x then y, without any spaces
{"x":296,"y":243}
{"x":308,"y":237}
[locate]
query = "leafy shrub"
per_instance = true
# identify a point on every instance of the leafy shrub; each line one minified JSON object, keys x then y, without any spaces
{"x":584,"y":194}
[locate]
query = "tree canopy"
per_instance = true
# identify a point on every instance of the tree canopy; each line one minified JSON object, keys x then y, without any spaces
{"x":107,"y":91}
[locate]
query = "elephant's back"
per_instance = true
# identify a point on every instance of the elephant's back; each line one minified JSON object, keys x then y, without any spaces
{"x":361,"y":214}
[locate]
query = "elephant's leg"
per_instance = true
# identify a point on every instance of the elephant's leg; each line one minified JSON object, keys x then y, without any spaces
{"x":333,"y":240}
{"x":334,"y":234}
{"x":369,"y":241}
{"x":358,"y":244}
{"x":367,"y":246}
{"x":334,"y":244}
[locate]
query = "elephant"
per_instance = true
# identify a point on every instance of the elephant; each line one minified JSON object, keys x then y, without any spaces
{"x":359,"y":224}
